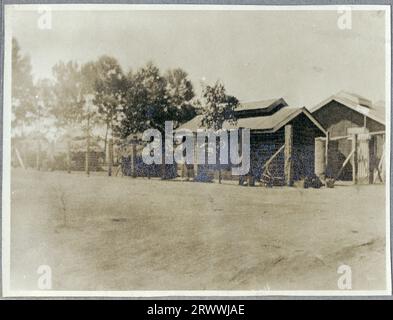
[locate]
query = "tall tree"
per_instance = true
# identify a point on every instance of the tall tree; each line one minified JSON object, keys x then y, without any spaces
{"x":105,"y":79}
{"x":152,"y":99}
{"x":23,"y":90}
{"x":69,"y":92}
{"x":107,"y":82}
{"x":180,"y":93}
{"x":147,"y":104}
{"x":69,"y":109}
{"x":218,"y":107}
{"x":45,"y":99}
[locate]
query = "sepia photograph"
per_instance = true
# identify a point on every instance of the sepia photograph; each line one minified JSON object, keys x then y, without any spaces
{"x":196,"y":150}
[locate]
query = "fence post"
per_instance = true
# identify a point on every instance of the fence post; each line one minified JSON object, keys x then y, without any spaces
{"x":288,"y":165}
{"x":196,"y":155}
{"x":110,"y":156}
{"x":87,"y":156}
{"x":355,"y":159}
{"x":372,"y":156}
{"x":68,"y":155}
{"x":327,"y":151}
{"x":133,"y":157}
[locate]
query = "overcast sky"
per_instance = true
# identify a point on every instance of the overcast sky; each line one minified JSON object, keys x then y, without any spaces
{"x":300,"y":55}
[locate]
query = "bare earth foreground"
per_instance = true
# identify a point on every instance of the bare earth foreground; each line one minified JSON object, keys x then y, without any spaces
{"x":101,"y":233}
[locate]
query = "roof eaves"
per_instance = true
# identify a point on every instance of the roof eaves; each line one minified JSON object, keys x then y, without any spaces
{"x":367,"y":114}
{"x":321,"y":104}
{"x":348,"y":105}
{"x":288,"y":118}
{"x":315,"y":121}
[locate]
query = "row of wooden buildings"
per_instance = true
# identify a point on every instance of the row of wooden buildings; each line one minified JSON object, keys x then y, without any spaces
{"x":341,"y":138}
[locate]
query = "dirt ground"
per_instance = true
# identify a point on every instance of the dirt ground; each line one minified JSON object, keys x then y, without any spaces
{"x":119,"y":233}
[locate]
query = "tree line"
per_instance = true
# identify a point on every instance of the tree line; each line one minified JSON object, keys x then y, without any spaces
{"x":122,"y":102}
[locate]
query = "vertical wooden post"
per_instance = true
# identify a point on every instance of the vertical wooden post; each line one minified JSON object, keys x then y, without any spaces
{"x":133,"y":157}
{"x":327,"y":152}
{"x":251,"y":180}
{"x":163,"y":165}
{"x":23,"y":154}
{"x":218,"y":160}
{"x":87,"y":159}
{"x":320,"y":157}
{"x":288,"y":165}
{"x":20,"y":159}
{"x":68,"y":155}
{"x":355,"y":159}
{"x":196,"y":154}
{"x":110,"y":156}
{"x":240,"y":148}
{"x":372,"y":157}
